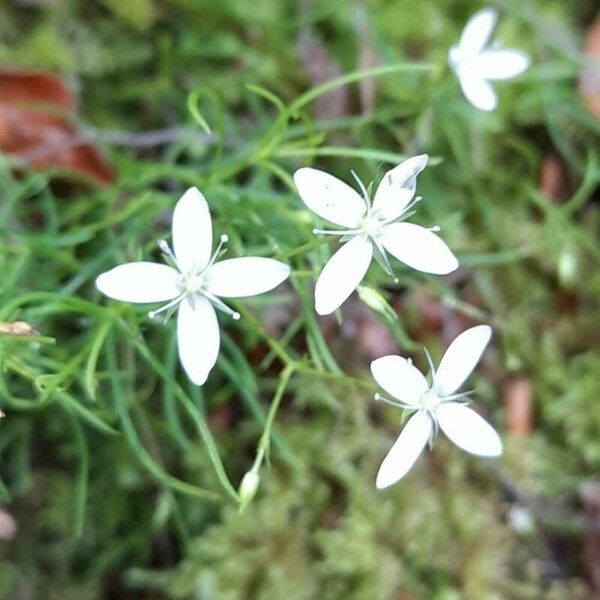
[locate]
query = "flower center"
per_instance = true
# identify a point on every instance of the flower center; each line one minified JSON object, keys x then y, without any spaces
{"x":371,"y":225}
{"x":192,"y":283}
{"x":429,"y":401}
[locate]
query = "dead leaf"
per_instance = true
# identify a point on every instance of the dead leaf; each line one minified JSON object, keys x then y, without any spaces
{"x":35,"y":87}
{"x":17,"y":328}
{"x":367,"y":59}
{"x":35,"y":126}
{"x":590,"y":494}
{"x":8,"y":526}
{"x":553,"y":178}
{"x":589,"y":79}
{"x":320,"y":67}
{"x":518,"y":406}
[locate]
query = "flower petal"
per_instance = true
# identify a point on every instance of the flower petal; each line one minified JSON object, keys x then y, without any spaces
{"x":419,"y":248}
{"x":397,"y":187}
{"x":477,"y":90}
{"x":499,"y":64}
{"x":468,"y":430}
{"x":342,"y":274}
{"x":405,"y":451}
{"x":477,"y":32}
{"x":140,"y":282}
{"x":192,"y":231}
{"x":329,"y":197}
{"x":247,"y":276}
{"x":460,"y":359}
{"x":198,"y":338}
{"x":400,"y":378}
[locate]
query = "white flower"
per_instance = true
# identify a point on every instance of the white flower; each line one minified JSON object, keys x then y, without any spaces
{"x":195,"y":283}
{"x":370,"y":229}
{"x":435,"y":405}
{"x":476,"y":63}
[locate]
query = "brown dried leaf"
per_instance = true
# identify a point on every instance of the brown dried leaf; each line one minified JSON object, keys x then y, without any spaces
{"x":320,"y":67}
{"x":518,"y":406}
{"x":367,"y":59}
{"x":589,"y":79}
{"x":17,"y":328}
{"x":45,"y":140}
{"x":553,"y":178}
{"x":8,"y":526}
{"x":590,"y":494}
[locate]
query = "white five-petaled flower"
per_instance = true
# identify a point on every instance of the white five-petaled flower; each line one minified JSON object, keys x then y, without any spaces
{"x":370,"y":229}
{"x":195,"y":283}
{"x":435,"y":405}
{"x":476,"y":63}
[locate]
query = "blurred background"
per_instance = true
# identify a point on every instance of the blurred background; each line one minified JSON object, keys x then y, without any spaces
{"x":102,"y":104}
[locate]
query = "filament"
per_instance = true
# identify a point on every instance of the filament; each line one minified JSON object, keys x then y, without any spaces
{"x":153,"y":313}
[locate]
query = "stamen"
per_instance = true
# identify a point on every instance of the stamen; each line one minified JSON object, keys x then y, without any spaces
{"x":336,"y":232}
{"x":363,"y":189}
{"x":397,"y":403}
{"x":222,"y":306}
{"x":431,"y":367}
{"x":386,"y":263}
{"x":166,"y":250}
{"x":223,"y":239}
{"x":152,"y":314}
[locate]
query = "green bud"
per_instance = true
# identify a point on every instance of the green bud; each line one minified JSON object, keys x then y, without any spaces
{"x":248,"y":488}
{"x":376,"y":302}
{"x":567,"y":267}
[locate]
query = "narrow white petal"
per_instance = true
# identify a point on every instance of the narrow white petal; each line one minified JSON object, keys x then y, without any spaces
{"x":342,"y":274}
{"x":460,"y":359}
{"x":419,"y":248}
{"x":198,"y":338}
{"x":192,"y":231}
{"x":477,"y":90}
{"x":140,"y":282}
{"x":499,"y":64}
{"x":397,"y":187}
{"x":246,"y":276}
{"x":329,"y":197}
{"x":405,"y":451}
{"x":468,"y":430}
{"x":400,"y":378}
{"x":477,"y":32}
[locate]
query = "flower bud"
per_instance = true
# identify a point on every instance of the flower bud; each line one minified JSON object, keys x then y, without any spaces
{"x":376,"y":302}
{"x":248,"y":488}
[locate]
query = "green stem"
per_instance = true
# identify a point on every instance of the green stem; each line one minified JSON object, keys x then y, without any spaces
{"x":265,"y":438}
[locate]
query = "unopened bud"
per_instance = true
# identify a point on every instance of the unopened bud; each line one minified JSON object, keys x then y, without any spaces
{"x":248,"y":488}
{"x":376,"y":302}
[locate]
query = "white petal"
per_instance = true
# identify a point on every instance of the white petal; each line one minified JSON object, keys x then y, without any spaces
{"x":477,"y":90}
{"x":140,"y":282}
{"x":329,"y":197}
{"x":419,"y":248}
{"x":468,"y":430}
{"x":192,"y":231}
{"x":247,"y":276}
{"x":477,"y":32}
{"x":400,"y":378}
{"x":405,"y":451}
{"x":460,"y":359}
{"x":499,"y":64}
{"x":397,"y":187}
{"x":198,"y":338}
{"x":342,"y":274}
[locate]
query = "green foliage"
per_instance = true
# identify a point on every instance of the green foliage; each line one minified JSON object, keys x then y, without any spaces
{"x":116,"y":469}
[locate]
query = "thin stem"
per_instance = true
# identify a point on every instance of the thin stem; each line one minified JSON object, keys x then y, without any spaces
{"x":265,"y":438}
